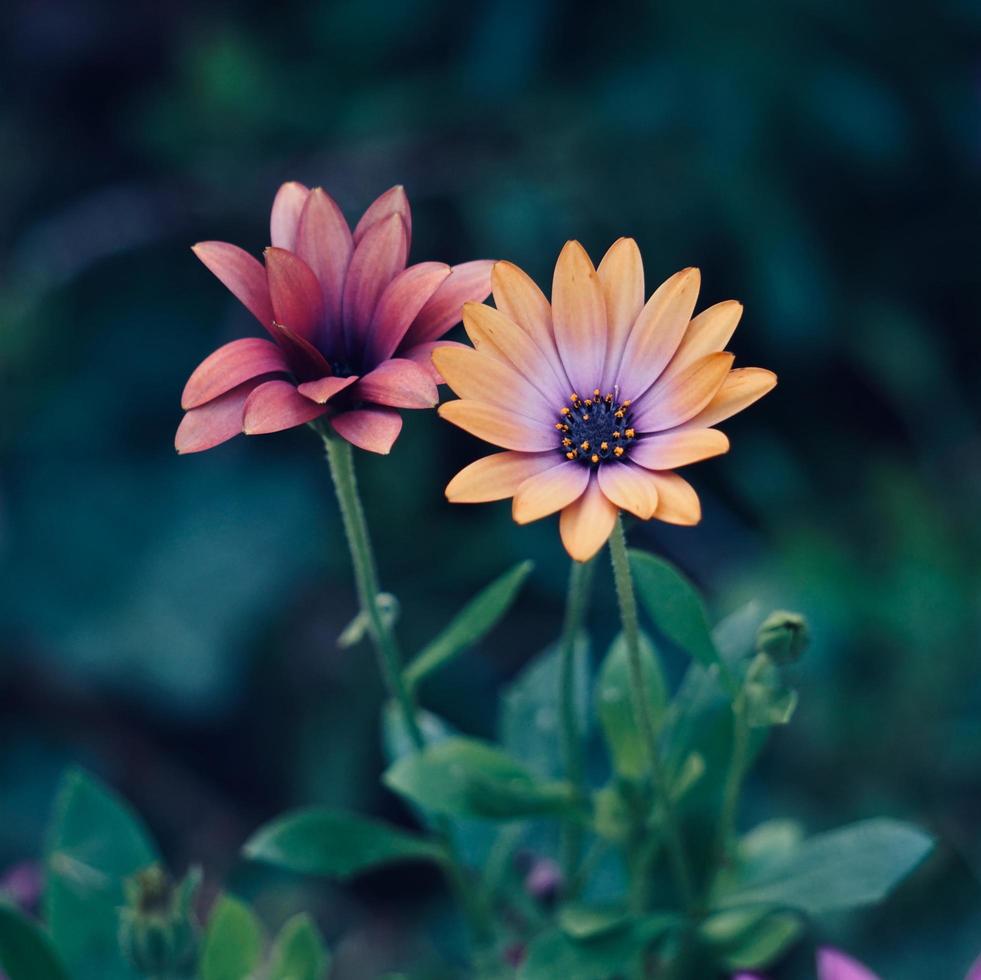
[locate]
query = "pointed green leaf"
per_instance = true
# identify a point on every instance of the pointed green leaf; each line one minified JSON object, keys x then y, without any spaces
{"x":470,"y":625}
{"x":299,"y":952}
{"x":676,"y":609}
{"x":335,"y":843}
{"x":750,"y":938}
{"x":555,"y":954}
{"x":582,"y":922}
{"x":95,"y":842}
{"x":26,"y":951}
{"x":615,"y":705}
{"x":463,"y":777}
{"x":233,"y":942}
{"x":841,"y":869}
{"x":530,"y":719}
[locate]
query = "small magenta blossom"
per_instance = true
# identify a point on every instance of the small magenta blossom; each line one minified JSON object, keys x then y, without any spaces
{"x":832,"y":964}
{"x":353,"y":327}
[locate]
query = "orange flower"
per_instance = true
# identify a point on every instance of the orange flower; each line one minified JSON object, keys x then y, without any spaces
{"x":597,"y":397}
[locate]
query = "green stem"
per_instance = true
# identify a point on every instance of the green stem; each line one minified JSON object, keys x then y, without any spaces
{"x":738,"y":764}
{"x":577,"y":601}
{"x":341,"y":459}
{"x":642,"y":709}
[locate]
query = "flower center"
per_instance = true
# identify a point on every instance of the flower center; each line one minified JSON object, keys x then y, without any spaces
{"x":341,"y":369}
{"x":595,"y":430}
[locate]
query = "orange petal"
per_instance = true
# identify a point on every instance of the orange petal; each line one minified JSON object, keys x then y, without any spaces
{"x":629,"y":487}
{"x":496,"y":477}
{"x":493,"y":334}
{"x":285,"y":215}
{"x":684,"y":395}
{"x":657,"y":333}
{"x":677,"y":502}
{"x":518,"y":297}
{"x":678,"y":447}
{"x":621,"y":274}
{"x":740,"y":389}
{"x":506,"y":429}
{"x":547,"y":492}
{"x":708,"y":333}
{"x":586,"y":524}
{"x":481,"y":378}
{"x":579,"y":317}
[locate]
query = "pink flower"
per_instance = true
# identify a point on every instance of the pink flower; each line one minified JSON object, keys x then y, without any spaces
{"x":353,"y":328}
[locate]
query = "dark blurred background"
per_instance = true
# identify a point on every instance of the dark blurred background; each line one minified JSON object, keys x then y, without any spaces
{"x":170,"y":622}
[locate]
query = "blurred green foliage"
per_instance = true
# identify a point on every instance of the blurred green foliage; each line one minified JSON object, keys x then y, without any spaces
{"x":172,"y":623}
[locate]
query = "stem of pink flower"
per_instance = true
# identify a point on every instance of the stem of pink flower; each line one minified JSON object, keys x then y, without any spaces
{"x":623,"y":580}
{"x":340,"y":457}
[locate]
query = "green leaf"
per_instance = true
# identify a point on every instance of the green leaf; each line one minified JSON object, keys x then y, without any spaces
{"x":334,"y":843}
{"x":299,"y":952}
{"x":26,"y":952}
{"x":584,"y":922}
{"x":233,"y":942}
{"x":615,"y":706}
{"x":463,"y":777}
{"x":530,"y":719}
{"x":554,"y":954}
{"x":676,"y":609}
{"x":841,"y":869}
{"x":94,"y":843}
{"x":750,"y":938}
{"x":477,"y":618}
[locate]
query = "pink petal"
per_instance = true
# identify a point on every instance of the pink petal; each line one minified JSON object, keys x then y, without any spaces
{"x":277,"y":405}
{"x":835,"y":965}
{"x":466,"y":283}
{"x":378,"y":257}
{"x":373,"y":429}
{"x":285,"y":216}
{"x":216,"y":422}
{"x":323,"y":241}
{"x":393,"y":201}
{"x":422,"y":355}
{"x":579,"y":318}
{"x":400,"y":384}
{"x":545,"y":493}
{"x":305,"y":360}
{"x":323,"y":389}
{"x":496,"y":477}
{"x":658,"y":332}
{"x":398,"y":306}
{"x":975,"y":972}
{"x":295,"y":292}
{"x":242,"y":274}
{"x":229,"y":366}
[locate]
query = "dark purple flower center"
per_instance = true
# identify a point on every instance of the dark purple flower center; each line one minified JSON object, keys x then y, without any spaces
{"x":595,"y":430}
{"x":342,"y":369}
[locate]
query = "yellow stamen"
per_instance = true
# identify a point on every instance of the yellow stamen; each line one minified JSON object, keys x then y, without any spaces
{"x":604,"y":446}
{"x":630,"y":433}
{"x":585,"y":446}
{"x":616,"y":434}
{"x":618,"y":450}
{"x":567,"y":442}
{"x":594,"y":458}
{"x":619,"y":413}
{"x":561,"y":427}
{"x":596,"y":393}
{"x":565,"y":411}
{"x":573,"y":398}
{"x":585,"y":418}
{"x":626,"y":404}
{"x":588,"y":402}
{"x":572,"y":454}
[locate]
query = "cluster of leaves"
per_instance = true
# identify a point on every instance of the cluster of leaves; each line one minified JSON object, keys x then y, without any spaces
{"x":111,"y":913}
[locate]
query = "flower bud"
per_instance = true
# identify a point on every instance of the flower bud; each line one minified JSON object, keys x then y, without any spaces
{"x":783,"y":637}
{"x":158,"y":931}
{"x":544,"y":880}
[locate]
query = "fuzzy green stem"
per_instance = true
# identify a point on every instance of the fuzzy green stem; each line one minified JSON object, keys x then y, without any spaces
{"x":577,"y":601}
{"x":623,"y":580}
{"x":341,"y":460}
